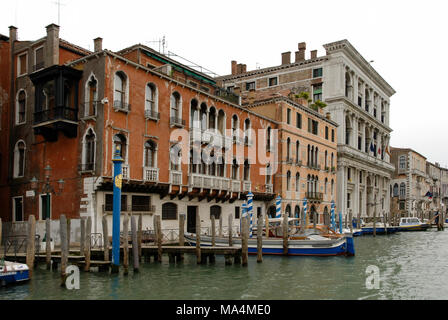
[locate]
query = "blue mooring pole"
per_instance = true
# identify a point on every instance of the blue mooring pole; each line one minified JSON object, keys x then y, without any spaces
{"x":118,"y":177}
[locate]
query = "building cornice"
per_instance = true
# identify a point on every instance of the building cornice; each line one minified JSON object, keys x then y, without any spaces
{"x":347,"y":48}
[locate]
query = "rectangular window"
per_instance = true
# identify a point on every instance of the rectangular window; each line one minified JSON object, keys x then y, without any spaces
{"x":45,"y":206}
{"x":349,"y":176}
{"x":313,"y":126}
{"x":273,"y":81}
{"x":258,"y":212}
{"x":250,"y":85}
{"x":109,"y":201}
{"x":359,"y":143}
{"x":317,"y":73}
{"x":22,"y":64}
{"x":326,"y":132}
{"x":141,"y":203}
{"x":360,"y":101}
{"x":348,"y":200}
{"x":237,"y":212}
{"x":402,"y":205}
{"x":38,"y":58}
{"x":288,"y":116}
{"x":298,"y":120}
{"x":332,"y":135}
{"x":317,"y":92}
{"x":230,"y":89}
{"x":18,"y":208}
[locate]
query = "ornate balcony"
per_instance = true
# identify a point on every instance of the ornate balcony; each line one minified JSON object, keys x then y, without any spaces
{"x":56,"y":101}
{"x":176,"y":177}
{"x":152,"y":115}
{"x":314,"y":196}
{"x":151,"y":174}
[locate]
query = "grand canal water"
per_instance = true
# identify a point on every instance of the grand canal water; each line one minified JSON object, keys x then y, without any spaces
{"x":412,"y":265}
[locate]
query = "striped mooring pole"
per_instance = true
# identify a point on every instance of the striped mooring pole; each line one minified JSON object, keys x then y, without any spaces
{"x":278,"y":207}
{"x":243,"y":215}
{"x":340,"y":222}
{"x":250,"y":209}
{"x":333,"y":222}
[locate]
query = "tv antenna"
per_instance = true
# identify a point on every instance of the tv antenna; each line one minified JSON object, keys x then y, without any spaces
{"x":59,"y":4}
{"x":162,"y":44}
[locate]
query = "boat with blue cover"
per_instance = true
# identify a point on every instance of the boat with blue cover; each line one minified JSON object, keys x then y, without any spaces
{"x":13,"y":272}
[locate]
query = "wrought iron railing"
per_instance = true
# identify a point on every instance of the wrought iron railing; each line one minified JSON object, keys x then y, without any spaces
{"x":57,"y":113}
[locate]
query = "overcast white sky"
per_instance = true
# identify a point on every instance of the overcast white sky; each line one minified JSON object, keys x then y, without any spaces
{"x":406,"y":39}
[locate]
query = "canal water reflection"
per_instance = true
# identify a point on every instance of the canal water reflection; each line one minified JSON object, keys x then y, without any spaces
{"x":412,"y":265}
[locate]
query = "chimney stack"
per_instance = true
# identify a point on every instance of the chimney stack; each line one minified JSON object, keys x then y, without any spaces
{"x":286,"y":57}
{"x":300,"y":55}
{"x":313,"y":54}
{"x":234,"y":68}
{"x":243,"y":68}
{"x":98,"y":44}
{"x":52,"y":45}
{"x":12,"y":34}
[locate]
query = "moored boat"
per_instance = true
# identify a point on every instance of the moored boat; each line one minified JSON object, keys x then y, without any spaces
{"x":307,"y":245}
{"x":412,"y":224}
{"x":13,"y":272}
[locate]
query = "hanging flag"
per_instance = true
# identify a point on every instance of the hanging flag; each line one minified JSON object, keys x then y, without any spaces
{"x":379,"y":150}
{"x":388,"y":151}
{"x":372,"y":148}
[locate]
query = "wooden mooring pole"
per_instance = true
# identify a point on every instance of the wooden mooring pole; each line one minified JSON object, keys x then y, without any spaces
{"x":180,"y":256}
{"x":198,"y":237}
{"x":213,"y":231}
{"x":374,"y":221}
{"x":126,"y":244}
{"x":139,"y":236}
{"x":87,"y":244}
{"x":31,"y":247}
{"x":244,"y":240}
{"x":105,"y":239}
{"x":285,"y":233}
{"x":48,"y":243}
{"x":230,"y":230}
{"x":64,"y":247}
{"x":135,"y":254}
{"x":260,"y":239}
{"x":83,"y":236}
{"x":159,"y":238}
{"x":68,"y":235}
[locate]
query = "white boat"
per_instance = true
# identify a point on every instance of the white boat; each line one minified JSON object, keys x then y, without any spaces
{"x":13,"y":272}
{"x":412,"y":224}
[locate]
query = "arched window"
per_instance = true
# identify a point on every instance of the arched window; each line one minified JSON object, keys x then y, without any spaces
{"x":247,"y":131}
{"x":288,"y":180}
{"x":212,"y":119}
{"x":235,"y":167}
{"x":203,"y":114}
{"x":175,"y":157}
{"x":235,"y":126}
{"x":402,"y":189}
{"x":120,"y":143}
{"x":288,"y":149}
{"x":89,"y":150}
{"x":332,"y":186}
{"x":316,"y":157}
{"x":151,"y":98}
{"x":19,"y":159}
{"x":326,"y":160}
{"x":21,"y":107}
{"x":120,"y":90}
{"x":246,"y":170}
{"x":288,"y":210}
{"x":348,"y":86}
{"x":215,"y":211}
{"x":395,"y":191}
{"x":297,"y":212}
{"x":268,"y":138}
{"x":297,"y":182}
{"x":222,"y":122}
{"x":91,"y":96}
{"x":175,"y":108}
{"x":150,"y":154}
{"x":314,"y":217}
{"x":169,"y":211}
{"x":297,"y":151}
{"x":325,"y":185}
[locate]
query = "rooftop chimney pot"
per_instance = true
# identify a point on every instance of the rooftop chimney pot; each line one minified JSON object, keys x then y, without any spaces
{"x":286,"y":57}
{"x":98,"y":44}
